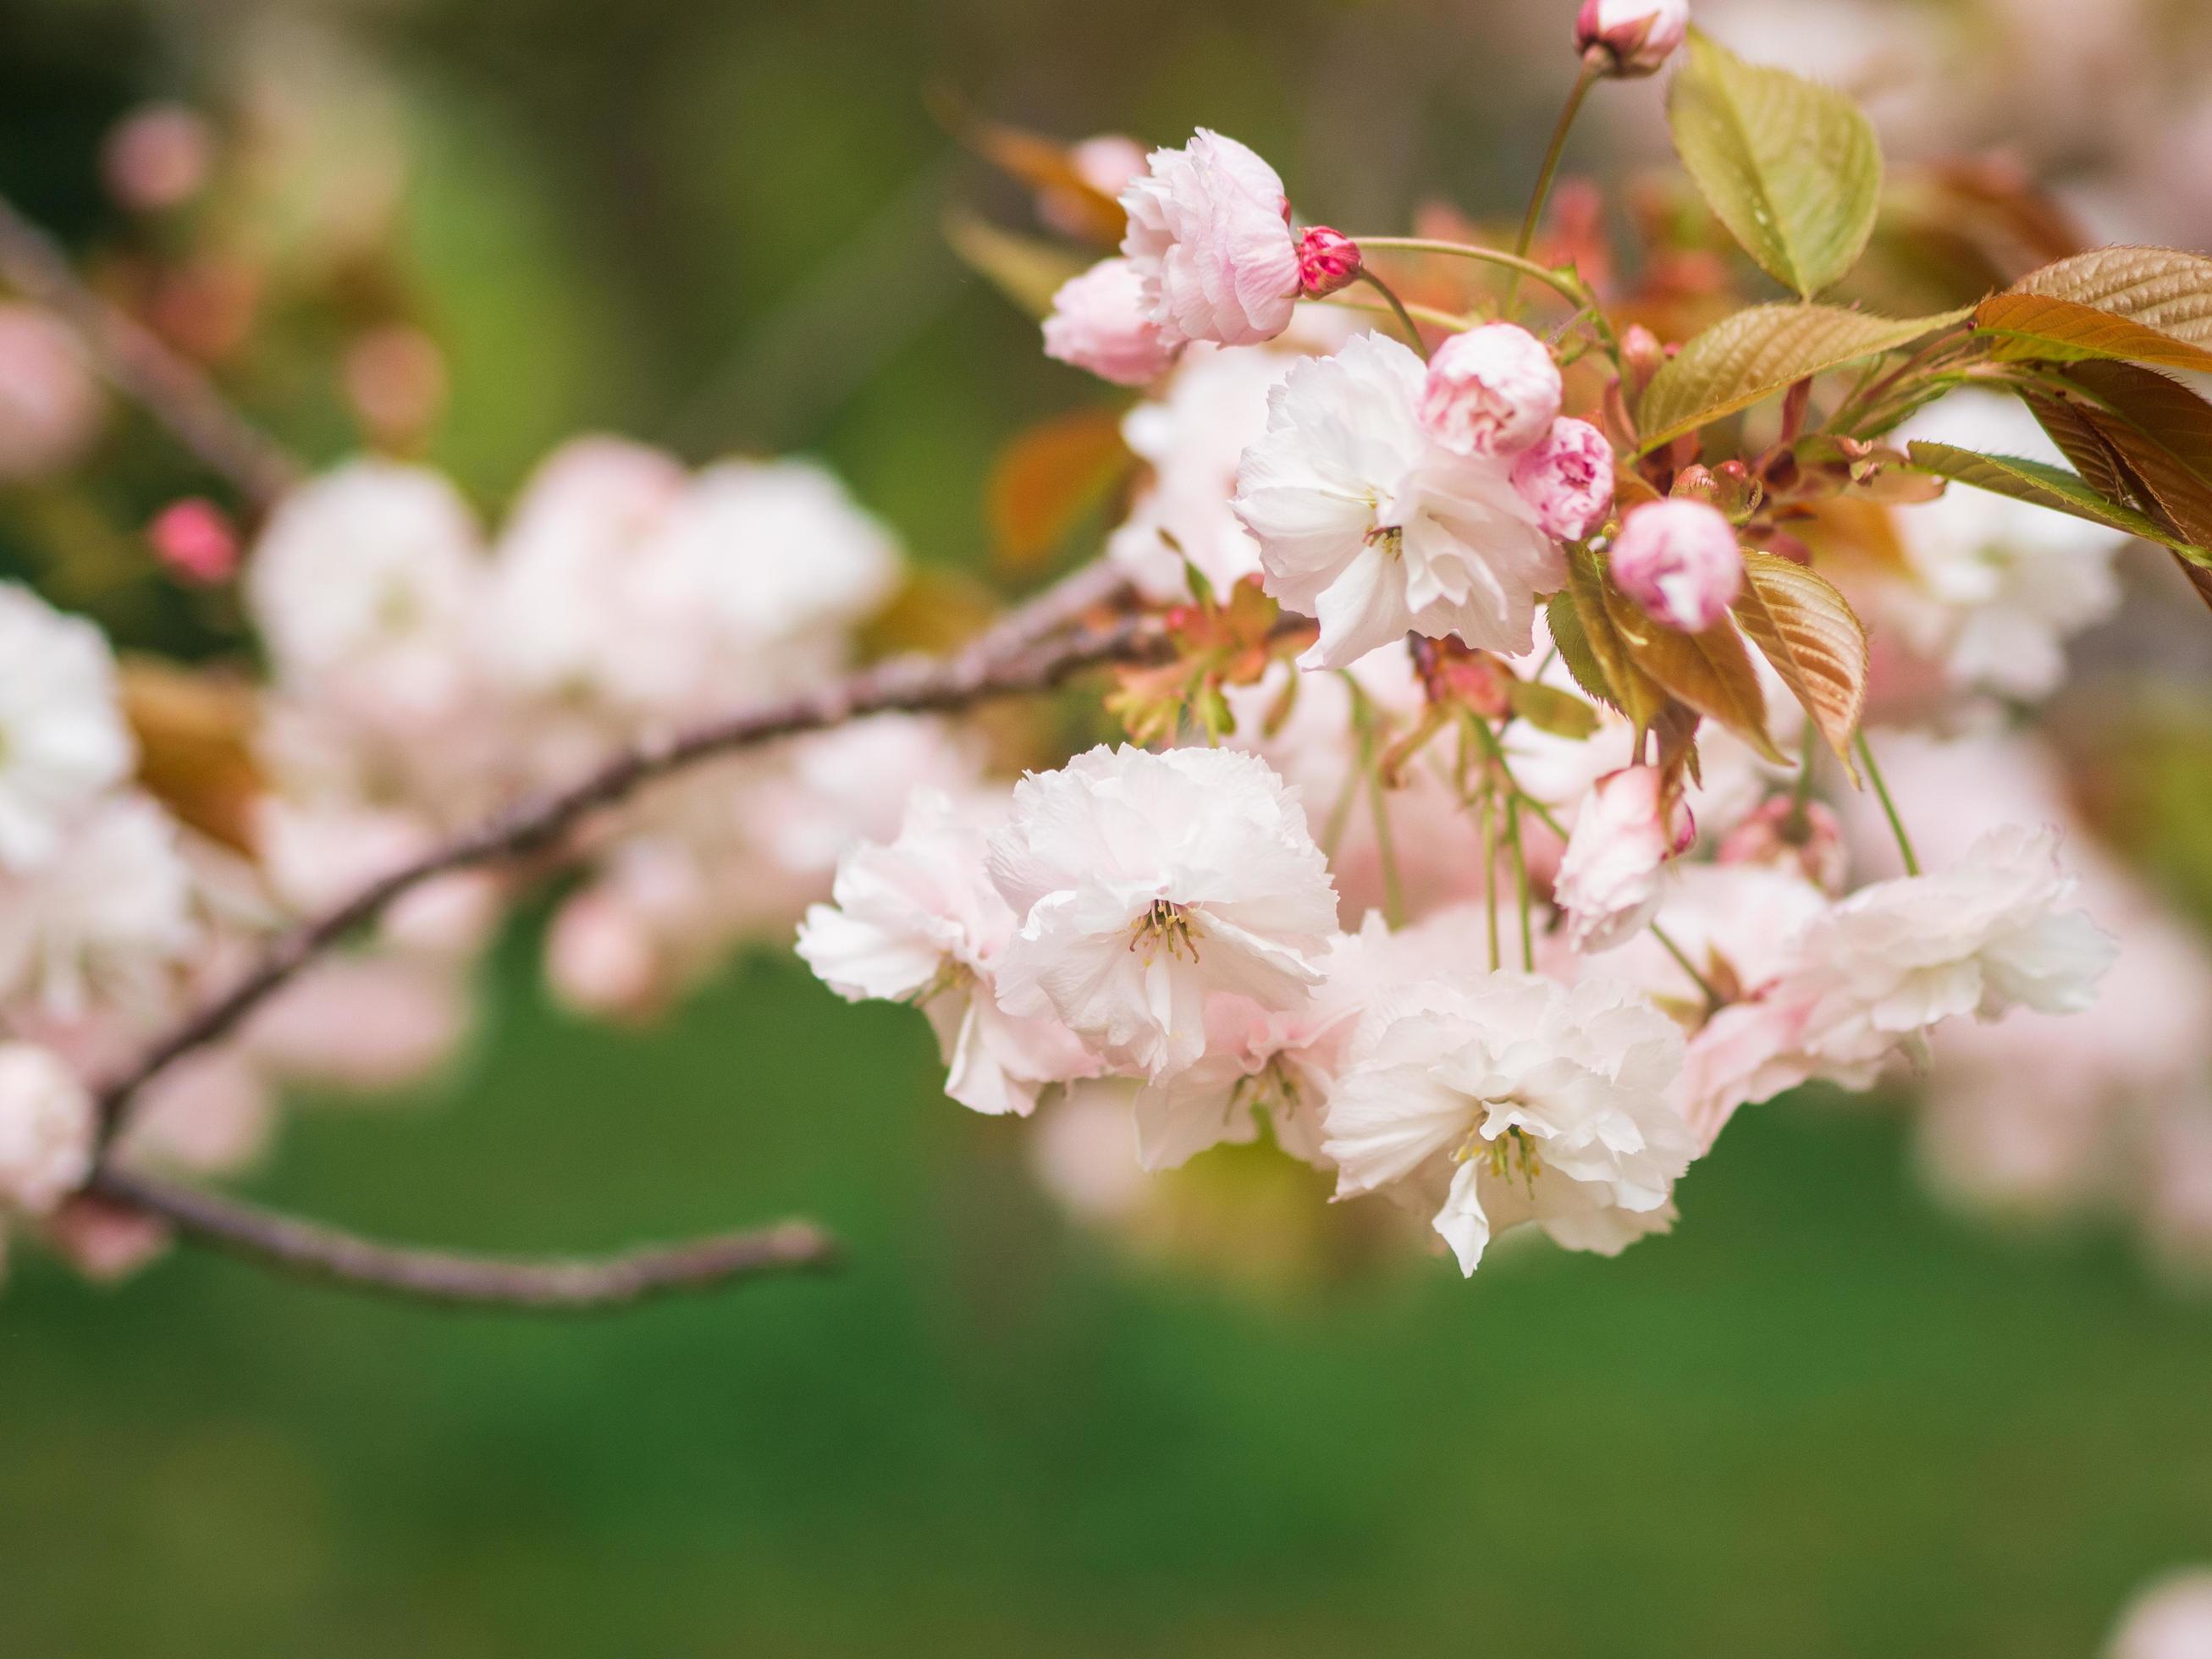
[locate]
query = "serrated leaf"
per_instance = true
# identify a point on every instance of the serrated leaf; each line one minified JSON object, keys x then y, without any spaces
{"x":1755,"y":353}
{"x":1027,"y":269}
{"x":2040,"y":485}
{"x":1812,"y":639}
{"x":1790,"y":167}
{"x":2026,"y":326}
{"x":1621,"y":682}
{"x":1566,"y":629}
{"x":1710,"y":671}
{"x":2160,"y":288}
{"x":2156,"y":405}
{"x":1549,"y":709}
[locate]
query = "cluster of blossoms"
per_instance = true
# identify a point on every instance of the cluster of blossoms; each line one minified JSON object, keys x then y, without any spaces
{"x":1167,"y":931}
{"x":1494,"y":826}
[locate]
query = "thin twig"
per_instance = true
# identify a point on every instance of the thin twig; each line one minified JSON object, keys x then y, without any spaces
{"x":137,"y":364}
{"x":553,"y":1286}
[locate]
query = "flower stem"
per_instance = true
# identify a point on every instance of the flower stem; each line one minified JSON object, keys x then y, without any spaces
{"x":1386,"y":851}
{"x":1405,"y":317}
{"x":1713,"y":999}
{"x":1567,"y":285}
{"x":1490,"y":867}
{"x":1521,"y":882}
{"x":1888,"y":806}
{"x":1534,"y":216}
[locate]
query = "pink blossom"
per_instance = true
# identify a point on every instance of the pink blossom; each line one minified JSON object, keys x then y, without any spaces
{"x":102,"y":1241}
{"x":1329,"y":260}
{"x":1098,"y":322}
{"x":1788,"y":835}
{"x":1210,"y":238}
{"x":46,"y":1128}
{"x":1678,"y":561}
{"x":1492,"y":391}
{"x":1632,"y":37}
{"x":1567,"y":476}
{"x":157,"y":157}
{"x":50,"y":407}
{"x":601,"y":958}
{"x":195,"y":540}
{"x":1608,"y":882}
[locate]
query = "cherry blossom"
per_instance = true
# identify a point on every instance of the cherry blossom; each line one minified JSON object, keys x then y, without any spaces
{"x":1209,"y":239}
{"x":1364,"y":523}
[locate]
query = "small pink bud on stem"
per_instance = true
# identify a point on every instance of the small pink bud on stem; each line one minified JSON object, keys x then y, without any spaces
{"x":1328,"y":261}
{"x":1631,"y":39}
{"x":1678,"y":561}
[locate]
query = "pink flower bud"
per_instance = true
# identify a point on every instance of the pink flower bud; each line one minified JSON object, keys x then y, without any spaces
{"x":1098,"y":323}
{"x":195,"y":541}
{"x":1632,"y":37}
{"x":1785,"y":836}
{"x":1492,"y":391}
{"x":602,"y":959}
{"x":1679,"y":560}
{"x":1609,"y":883}
{"x":1567,"y":476}
{"x":1328,"y":260}
{"x":157,"y":157}
{"x":395,"y":378}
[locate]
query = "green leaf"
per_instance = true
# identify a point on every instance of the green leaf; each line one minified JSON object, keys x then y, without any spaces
{"x":2035,"y":326}
{"x":1809,"y":632}
{"x":2160,"y":288}
{"x":1710,"y":671}
{"x":2040,"y":485}
{"x":1755,"y":353}
{"x":1792,"y":167}
{"x":1549,"y":709}
{"x":1619,"y":682}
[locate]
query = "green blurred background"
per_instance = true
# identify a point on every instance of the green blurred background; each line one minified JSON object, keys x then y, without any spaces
{"x":1822,"y":1418}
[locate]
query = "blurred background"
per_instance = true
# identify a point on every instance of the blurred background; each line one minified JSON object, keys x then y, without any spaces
{"x":1834,"y":1414}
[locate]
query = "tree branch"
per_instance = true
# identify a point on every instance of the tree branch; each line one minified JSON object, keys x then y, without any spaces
{"x":554,"y":1285}
{"x":981,"y":672}
{"x":132,"y":360}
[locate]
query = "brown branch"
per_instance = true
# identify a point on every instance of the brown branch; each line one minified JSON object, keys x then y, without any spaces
{"x":555,"y":1285}
{"x":908,"y":685}
{"x":132,"y":360}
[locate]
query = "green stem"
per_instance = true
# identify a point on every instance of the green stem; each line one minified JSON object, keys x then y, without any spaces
{"x":1704,"y":986}
{"x":1569,"y":286}
{"x":1490,"y":868}
{"x":1405,"y":317}
{"x":1530,"y":220}
{"x":1393,"y":896}
{"x":1888,"y":806}
{"x":1521,"y":882}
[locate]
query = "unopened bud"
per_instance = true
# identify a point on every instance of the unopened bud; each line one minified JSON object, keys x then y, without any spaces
{"x":1678,"y":561}
{"x":1328,"y":260}
{"x":195,"y":541}
{"x":1492,"y":391}
{"x":1630,"y":38}
{"x":1641,"y":355}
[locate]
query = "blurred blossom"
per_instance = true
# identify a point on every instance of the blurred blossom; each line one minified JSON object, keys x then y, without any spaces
{"x":46,"y":1121}
{"x":2170,"y":1619}
{"x":209,"y":1113}
{"x":157,"y":157}
{"x":50,"y":404}
{"x":1085,"y":1155}
{"x":62,"y":741}
{"x":1995,"y":586}
{"x":102,"y":1241}
{"x":395,"y":379}
{"x":601,"y":958}
{"x":358,"y":1023}
{"x":1107,"y":164}
{"x":1192,"y":436}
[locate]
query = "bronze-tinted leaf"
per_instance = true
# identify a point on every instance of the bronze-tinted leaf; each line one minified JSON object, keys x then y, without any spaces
{"x":2026,"y":326}
{"x":1755,"y":353}
{"x":1046,"y":478}
{"x":1814,"y":640}
{"x":1589,"y":618}
{"x":2040,"y":485}
{"x":1710,"y":671}
{"x":2159,"y":287}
